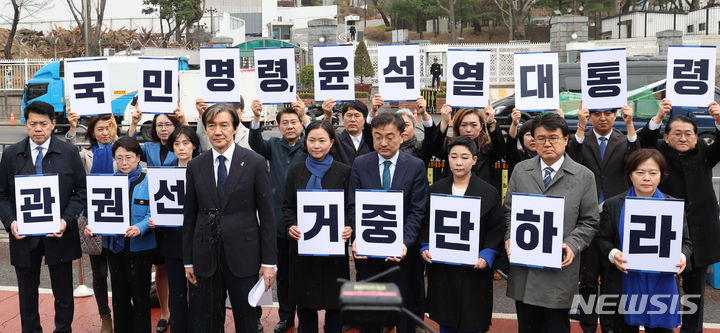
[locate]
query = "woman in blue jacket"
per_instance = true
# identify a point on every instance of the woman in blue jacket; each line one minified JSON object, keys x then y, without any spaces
{"x":130,"y":255}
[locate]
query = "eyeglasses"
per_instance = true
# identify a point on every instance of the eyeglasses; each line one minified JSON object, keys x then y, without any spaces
{"x":682,"y":134}
{"x":165,"y":125}
{"x":552,"y":139}
{"x":126,"y":158}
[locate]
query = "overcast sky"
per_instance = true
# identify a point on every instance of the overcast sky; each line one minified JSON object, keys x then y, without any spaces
{"x":58,"y":10}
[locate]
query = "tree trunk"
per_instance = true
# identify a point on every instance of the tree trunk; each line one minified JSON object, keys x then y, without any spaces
{"x":418,"y":23}
{"x":382,"y":13}
{"x":518,"y":32}
{"x":13,"y":29}
{"x":451,"y":16}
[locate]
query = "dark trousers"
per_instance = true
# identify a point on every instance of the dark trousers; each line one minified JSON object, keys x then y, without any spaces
{"x":533,"y":319}
{"x":409,"y":279}
{"x":434,"y":80}
{"x":130,"y":278}
{"x":694,"y":284}
{"x":184,"y":310}
{"x":590,"y":268}
{"x":308,"y":319}
{"x":99,"y":265}
{"x":61,"y":280}
{"x":286,"y":310}
{"x":213,"y":290}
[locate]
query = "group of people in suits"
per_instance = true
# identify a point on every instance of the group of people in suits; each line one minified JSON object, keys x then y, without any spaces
{"x":240,"y":222}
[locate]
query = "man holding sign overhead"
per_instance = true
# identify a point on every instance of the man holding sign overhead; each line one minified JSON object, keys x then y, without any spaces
{"x":38,"y":154}
{"x":543,"y":295}
{"x":690,"y":163}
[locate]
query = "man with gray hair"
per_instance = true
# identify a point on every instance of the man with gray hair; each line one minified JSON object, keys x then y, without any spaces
{"x":241,"y":137}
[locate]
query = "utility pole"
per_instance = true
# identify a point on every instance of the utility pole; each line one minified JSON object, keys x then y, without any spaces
{"x":212,"y":11}
{"x":86,"y":26}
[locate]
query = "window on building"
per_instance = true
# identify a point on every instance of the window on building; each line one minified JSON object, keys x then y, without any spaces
{"x":690,"y":28}
{"x":701,"y":27}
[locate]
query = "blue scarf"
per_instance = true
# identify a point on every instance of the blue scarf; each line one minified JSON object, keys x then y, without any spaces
{"x":102,"y":158}
{"x":117,"y":242}
{"x":645,"y":284}
{"x":318,"y":170}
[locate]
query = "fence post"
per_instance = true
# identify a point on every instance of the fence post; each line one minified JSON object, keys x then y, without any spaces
{"x":25,"y":67}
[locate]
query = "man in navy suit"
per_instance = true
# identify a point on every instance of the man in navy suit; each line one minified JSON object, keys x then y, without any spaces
{"x":42,"y":153}
{"x":390,"y":169}
{"x":229,"y":227}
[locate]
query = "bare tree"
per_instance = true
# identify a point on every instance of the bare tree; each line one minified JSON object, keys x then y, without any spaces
{"x":95,"y":30}
{"x":513,"y":15}
{"x":29,"y":7}
{"x":450,"y":11}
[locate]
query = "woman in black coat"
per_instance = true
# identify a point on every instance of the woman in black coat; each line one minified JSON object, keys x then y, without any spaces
{"x":313,"y":280}
{"x":460,"y":298}
{"x":478,"y":125}
{"x":645,"y":168}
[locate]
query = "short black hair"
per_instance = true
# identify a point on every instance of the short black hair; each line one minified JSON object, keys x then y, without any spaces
{"x":285,"y":111}
{"x":466,"y":142}
{"x":386,"y":118}
{"x":153,"y":132}
{"x":685,"y":119}
{"x":127,"y":143}
{"x":357,"y":105}
{"x":321,"y":124}
{"x":551,"y":121}
{"x":188,"y":132}
{"x":216,"y":109}
{"x":40,"y":107}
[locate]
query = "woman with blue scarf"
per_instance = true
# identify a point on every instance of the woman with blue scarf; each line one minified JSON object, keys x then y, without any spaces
{"x":645,"y":168}
{"x":97,"y":158}
{"x":130,"y":255}
{"x":313,"y":280}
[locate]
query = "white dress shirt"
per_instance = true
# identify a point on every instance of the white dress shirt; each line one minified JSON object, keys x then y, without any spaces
{"x":598,"y":136}
{"x":556,"y":167}
{"x":33,"y":149}
{"x":356,"y":140}
{"x":393,"y":163}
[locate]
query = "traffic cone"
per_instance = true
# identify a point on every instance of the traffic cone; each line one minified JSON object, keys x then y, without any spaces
{"x":12,"y":118}
{"x":416,"y":118}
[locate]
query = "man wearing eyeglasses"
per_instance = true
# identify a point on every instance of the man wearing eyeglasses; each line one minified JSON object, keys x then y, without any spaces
{"x":543,"y":297}
{"x":690,"y":165}
{"x":604,"y":150}
{"x":41,"y":153}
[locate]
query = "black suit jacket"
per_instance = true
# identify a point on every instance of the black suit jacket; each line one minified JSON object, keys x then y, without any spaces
{"x":609,"y":172}
{"x":247,"y":242}
{"x":409,"y":176}
{"x":63,"y":159}
{"x":346,"y":152}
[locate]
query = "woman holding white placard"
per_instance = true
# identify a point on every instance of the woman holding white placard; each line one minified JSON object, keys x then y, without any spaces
{"x":460,"y":298}
{"x":645,"y":168}
{"x":313,"y":279}
{"x":130,"y":255}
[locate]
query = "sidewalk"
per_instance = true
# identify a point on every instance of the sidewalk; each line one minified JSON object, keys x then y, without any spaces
{"x":87,"y":320}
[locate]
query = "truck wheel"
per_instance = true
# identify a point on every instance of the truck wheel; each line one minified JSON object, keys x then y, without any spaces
{"x":146,"y":131}
{"x":709,"y":138}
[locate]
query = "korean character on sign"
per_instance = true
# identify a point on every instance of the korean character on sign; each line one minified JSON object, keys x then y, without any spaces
{"x":320,"y":221}
{"x":470,"y":79}
{"x":171,"y":192}
{"x":92,"y":89}
{"x":406,"y":74}
{"x":544,"y":81}
{"x":273,"y":75}
{"x":529,"y":226}
{"x":37,"y":205}
{"x":691,"y":75}
{"x":161,"y":81}
{"x":333,"y":68}
{"x":222,"y":72}
{"x":379,"y":217}
{"x":603,"y":79}
{"x":661,"y":246}
{"x":463,"y":230}
{"x":110,"y":208}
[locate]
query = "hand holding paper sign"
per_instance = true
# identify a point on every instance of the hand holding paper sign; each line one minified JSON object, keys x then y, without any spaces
{"x":180,"y":115}
{"x":299,"y":106}
{"x":568,"y":255}
{"x":663,"y":110}
{"x":490,"y":117}
{"x":445,"y":113}
{"x":14,"y":230}
{"x":294,"y":233}
{"x":714,"y":109}
{"x":583,"y":116}
{"x":627,"y":114}
{"x":400,"y":258}
{"x":560,"y":113}
{"x":421,"y":105}
{"x":481,"y":264}
{"x":347,"y":232}
{"x":60,"y":233}
{"x":256,"y":108}
{"x":201,"y":106}
{"x":377,"y":102}
{"x":327,"y":107}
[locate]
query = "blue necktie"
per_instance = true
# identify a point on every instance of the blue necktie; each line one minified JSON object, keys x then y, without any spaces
{"x":603,"y":145}
{"x":221,"y":176}
{"x":547,"y":178}
{"x":38,"y":161}
{"x":386,"y":175}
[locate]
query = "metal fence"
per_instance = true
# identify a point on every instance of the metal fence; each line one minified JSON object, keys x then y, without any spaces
{"x":15,"y":73}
